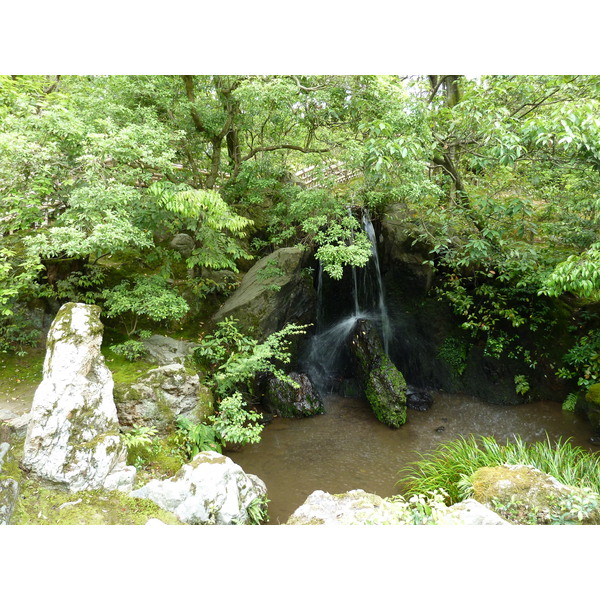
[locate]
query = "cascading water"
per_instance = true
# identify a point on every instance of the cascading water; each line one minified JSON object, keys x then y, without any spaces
{"x":326,"y":356}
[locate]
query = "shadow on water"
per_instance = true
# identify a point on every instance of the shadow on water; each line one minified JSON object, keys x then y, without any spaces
{"x":347,"y":448}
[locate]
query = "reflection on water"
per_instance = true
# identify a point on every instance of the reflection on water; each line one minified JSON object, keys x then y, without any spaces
{"x":347,"y":448}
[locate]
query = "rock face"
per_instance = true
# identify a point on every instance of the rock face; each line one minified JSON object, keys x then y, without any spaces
{"x":470,"y":512}
{"x":361,"y":508}
{"x":322,"y":508}
{"x":73,"y":435}
{"x":382,"y":383}
{"x":211,"y":490}
{"x":160,"y":396}
{"x":9,"y":486}
{"x":523,"y":494}
{"x":274,"y":292}
{"x":592,"y":407}
{"x":285,"y":401}
{"x":165,"y":350}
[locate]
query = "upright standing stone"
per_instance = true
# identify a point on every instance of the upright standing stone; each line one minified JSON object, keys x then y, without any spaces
{"x":73,"y":435}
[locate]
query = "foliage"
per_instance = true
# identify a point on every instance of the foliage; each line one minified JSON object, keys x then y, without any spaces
{"x":419,"y":509}
{"x":234,"y":424}
{"x":451,"y":464}
{"x":454,"y":352}
{"x":142,"y":444}
{"x":570,"y":402}
{"x":132,"y":350}
{"x":192,"y":438}
{"x":234,"y":358}
{"x":583,"y":360}
{"x":148,"y":297}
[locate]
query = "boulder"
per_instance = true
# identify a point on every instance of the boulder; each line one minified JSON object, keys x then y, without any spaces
{"x":210,"y":490}
{"x":73,"y":437}
{"x":164,"y":350}
{"x":470,"y":512}
{"x":285,"y":401}
{"x":417,"y":399}
{"x":161,"y":395}
{"x":592,"y":407}
{"x":9,"y":486}
{"x":402,"y":254}
{"x":381,"y":382}
{"x":525,"y":495}
{"x":274,"y":292}
{"x":183,"y":243}
{"x":322,"y":508}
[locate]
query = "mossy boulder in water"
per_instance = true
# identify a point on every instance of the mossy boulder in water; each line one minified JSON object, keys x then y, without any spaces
{"x":383,"y":385}
{"x":592,"y":407}
{"x":286,"y":401}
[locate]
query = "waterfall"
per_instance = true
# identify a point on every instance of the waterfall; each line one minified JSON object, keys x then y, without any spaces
{"x":324,"y":360}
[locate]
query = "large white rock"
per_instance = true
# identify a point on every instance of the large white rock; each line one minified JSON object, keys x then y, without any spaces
{"x":73,"y":435}
{"x":212,"y":489}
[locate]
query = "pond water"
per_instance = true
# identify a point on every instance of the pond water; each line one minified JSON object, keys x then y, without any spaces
{"x":347,"y":448}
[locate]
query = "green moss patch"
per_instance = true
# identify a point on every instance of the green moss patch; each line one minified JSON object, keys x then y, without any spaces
{"x":39,"y":505}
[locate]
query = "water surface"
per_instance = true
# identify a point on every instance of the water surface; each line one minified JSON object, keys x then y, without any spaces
{"x":347,"y":448}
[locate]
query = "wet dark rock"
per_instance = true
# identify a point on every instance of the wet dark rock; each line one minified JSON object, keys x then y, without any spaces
{"x":440,"y":429}
{"x":418,"y":399}
{"x":595,"y":440}
{"x":381,"y":382}
{"x":285,"y":401}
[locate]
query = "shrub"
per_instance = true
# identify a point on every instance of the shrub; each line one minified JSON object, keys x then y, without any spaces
{"x":451,"y":464}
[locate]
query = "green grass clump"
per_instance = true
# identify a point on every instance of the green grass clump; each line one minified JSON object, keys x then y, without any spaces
{"x":451,"y":464}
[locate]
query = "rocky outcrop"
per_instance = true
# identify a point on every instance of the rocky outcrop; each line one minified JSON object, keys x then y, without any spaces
{"x":9,"y":485}
{"x":470,"y":512}
{"x":73,"y":436}
{"x":274,"y":292}
{"x":402,"y":257}
{"x":211,"y":490}
{"x":592,"y":408}
{"x":283,"y":400}
{"x":361,"y":508}
{"x":164,"y":350}
{"x":161,"y":395}
{"x":525,"y":495}
{"x":382,"y":383}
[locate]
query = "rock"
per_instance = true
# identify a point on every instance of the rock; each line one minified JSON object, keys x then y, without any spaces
{"x":73,"y":436}
{"x":211,"y":490}
{"x":273,"y":293}
{"x":161,"y":395}
{"x":382,"y":384}
{"x":592,"y":407}
{"x":164,"y":350}
{"x":9,"y":486}
{"x":470,"y":512}
{"x":285,"y":401}
{"x":322,"y":508}
{"x":401,"y":254}
{"x":418,"y":399}
{"x":18,"y":425}
{"x":183,"y":243}
{"x":524,"y":494}
{"x":7,"y":415}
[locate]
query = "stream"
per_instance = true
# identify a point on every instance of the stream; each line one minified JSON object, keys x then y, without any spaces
{"x":348,"y":448}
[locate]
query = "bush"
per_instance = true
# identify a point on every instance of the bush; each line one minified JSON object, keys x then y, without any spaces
{"x":451,"y":465}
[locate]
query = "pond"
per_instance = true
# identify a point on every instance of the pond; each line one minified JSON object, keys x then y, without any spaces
{"x":347,"y":448}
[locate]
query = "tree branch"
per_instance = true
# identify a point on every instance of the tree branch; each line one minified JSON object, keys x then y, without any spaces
{"x":282,"y":147}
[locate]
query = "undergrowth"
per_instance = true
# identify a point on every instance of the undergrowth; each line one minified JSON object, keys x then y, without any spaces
{"x":450,"y":464}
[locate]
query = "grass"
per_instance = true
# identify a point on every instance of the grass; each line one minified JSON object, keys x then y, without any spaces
{"x":451,"y":464}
